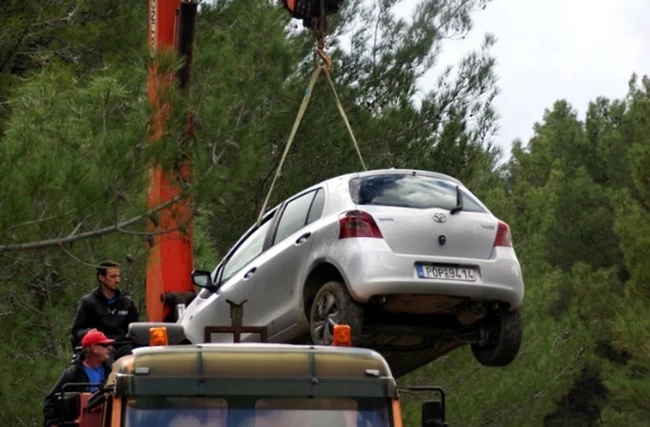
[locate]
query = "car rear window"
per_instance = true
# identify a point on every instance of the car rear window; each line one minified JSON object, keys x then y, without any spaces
{"x":409,"y":191}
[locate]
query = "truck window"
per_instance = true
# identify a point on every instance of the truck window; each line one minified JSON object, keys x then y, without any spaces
{"x":275,"y":412}
{"x":146,"y":411}
{"x":256,"y":412}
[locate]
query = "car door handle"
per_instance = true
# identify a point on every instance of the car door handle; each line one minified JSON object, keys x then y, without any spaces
{"x":250,"y":273}
{"x":302,"y":239}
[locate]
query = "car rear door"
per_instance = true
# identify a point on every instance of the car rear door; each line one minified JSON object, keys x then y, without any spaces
{"x":413,"y":215}
{"x":291,"y":243}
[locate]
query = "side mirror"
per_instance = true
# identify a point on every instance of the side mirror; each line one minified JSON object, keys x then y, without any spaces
{"x":433,"y":411}
{"x":433,"y":414}
{"x":203,"y":279}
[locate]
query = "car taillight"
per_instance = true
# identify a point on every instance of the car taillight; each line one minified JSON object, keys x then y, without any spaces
{"x":358,"y":224}
{"x":503,"y":237}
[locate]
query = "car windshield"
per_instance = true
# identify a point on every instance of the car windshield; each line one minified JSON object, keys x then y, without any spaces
{"x":410,"y":191}
{"x":255,"y":412}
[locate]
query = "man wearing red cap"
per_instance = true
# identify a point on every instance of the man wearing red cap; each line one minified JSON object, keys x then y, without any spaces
{"x":90,"y":367}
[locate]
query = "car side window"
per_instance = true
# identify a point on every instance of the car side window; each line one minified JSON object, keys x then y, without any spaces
{"x":247,"y":251}
{"x":294,"y":216}
{"x":316,"y":209}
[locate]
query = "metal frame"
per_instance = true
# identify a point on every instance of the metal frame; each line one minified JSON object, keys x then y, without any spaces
{"x":236,"y":316}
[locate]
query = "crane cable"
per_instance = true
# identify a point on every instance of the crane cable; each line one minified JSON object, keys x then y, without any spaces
{"x":305,"y":101}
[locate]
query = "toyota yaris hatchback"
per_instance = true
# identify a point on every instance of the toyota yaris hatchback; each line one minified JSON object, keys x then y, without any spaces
{"x":410,"y":259}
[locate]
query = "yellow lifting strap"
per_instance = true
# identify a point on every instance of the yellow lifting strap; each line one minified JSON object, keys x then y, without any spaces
{"x":305,"y":101}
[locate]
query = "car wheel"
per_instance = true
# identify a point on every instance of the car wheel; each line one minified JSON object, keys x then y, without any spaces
{"x":333,"y":305}
{"x":504,"y":334}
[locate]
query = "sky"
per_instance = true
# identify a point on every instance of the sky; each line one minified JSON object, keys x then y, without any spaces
{"x":555,"y":49}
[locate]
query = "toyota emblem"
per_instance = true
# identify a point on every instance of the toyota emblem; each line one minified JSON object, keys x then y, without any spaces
{"x":440,"y":217}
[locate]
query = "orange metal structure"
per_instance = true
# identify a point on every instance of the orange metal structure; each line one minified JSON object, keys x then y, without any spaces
{"x":170,"y":256}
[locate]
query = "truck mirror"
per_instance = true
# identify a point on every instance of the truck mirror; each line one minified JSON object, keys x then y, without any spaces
{"x":433,"y":411}
{"x":202,"y":279}
{"x":433,"y":414}
{"x":71,"y":406}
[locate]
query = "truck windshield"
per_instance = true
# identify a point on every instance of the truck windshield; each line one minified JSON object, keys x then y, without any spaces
{"x":255,"y":412}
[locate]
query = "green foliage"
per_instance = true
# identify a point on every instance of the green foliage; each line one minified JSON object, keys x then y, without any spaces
{"x":81,"y":36}
{"x":59,"y":144}
{"x":576,"y":199}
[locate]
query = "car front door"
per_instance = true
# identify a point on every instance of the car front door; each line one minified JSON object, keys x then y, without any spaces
{"x":242,"y":273}
{"x":291,"y":242}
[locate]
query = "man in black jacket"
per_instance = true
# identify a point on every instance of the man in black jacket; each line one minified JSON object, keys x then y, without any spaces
{"x":106,"y":309}
{"x":90,"y":367}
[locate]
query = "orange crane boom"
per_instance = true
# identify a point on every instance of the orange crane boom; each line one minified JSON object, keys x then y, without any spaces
{"x":170,"y":254}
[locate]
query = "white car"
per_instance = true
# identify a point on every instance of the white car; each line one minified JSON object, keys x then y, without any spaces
{"x":410,"y":259}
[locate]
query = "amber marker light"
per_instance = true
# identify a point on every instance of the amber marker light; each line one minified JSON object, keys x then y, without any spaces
{"x":342,"y":336}
{"x":158,"y":336}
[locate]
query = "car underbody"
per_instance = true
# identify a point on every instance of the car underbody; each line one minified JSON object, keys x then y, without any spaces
{"x":411,"y":331}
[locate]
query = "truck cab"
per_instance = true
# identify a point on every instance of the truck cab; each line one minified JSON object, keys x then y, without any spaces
{"x":242,"y":385}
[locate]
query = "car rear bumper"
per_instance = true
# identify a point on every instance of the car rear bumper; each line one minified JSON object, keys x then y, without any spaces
{"x":371,"y":270}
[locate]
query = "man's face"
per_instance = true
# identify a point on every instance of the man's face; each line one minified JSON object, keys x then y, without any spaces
{"x":101,"y":352}
{"x":112,"y":278}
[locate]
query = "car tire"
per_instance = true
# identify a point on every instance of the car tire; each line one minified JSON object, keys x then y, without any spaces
{"x":333,"y":302}
{"x":505,"y":332}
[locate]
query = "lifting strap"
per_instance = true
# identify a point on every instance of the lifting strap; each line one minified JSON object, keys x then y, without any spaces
{"x":305,"y":101}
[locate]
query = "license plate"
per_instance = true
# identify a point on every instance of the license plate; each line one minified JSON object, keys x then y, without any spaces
{"x":445,"y":272}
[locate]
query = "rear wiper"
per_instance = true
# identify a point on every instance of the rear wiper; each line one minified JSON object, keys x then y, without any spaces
{"x":459,"y":202}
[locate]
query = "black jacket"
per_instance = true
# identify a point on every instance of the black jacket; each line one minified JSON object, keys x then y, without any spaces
{"x":94,"y":311}
{"x":75,"y":373}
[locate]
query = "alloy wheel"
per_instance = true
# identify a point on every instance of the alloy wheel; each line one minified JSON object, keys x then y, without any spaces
{"x":327,"y":318}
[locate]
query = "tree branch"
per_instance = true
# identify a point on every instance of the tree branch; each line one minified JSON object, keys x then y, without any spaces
{"x":154,"y":233}
{"x":37,"y":221}
{"x":94,"y":233}
{"x":74,"y":257}
{"x":28,"y":306}
{"x":76,"y":229}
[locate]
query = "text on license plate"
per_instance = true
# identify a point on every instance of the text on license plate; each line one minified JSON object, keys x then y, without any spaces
{"x":444,"y":272}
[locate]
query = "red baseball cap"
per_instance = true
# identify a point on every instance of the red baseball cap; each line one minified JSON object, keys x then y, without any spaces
{"x":95,"y":337}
